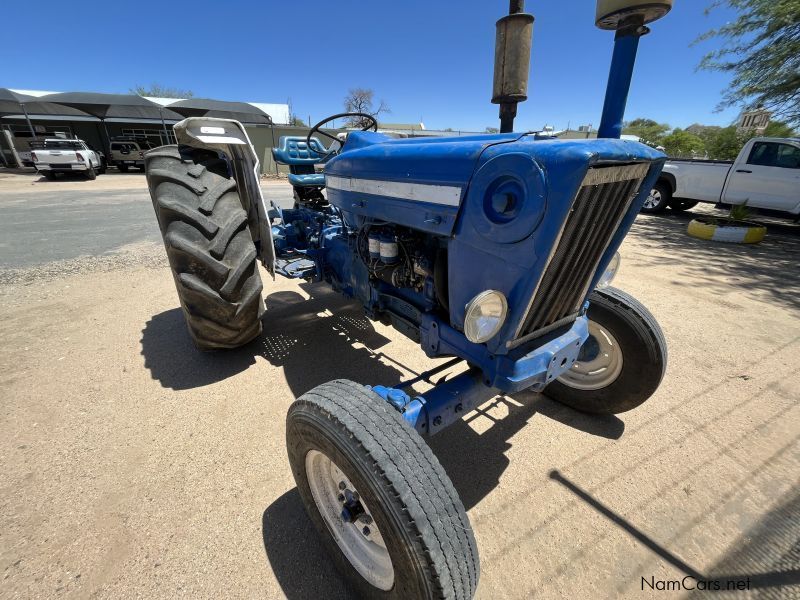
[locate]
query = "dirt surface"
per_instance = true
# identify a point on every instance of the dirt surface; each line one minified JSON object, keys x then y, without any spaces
{"x":135,"y":466}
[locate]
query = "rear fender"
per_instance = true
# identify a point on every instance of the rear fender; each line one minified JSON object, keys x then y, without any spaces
{"x":230,"y":138}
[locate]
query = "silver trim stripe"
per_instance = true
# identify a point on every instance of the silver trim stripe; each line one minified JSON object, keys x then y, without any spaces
{"x":447,"y":195}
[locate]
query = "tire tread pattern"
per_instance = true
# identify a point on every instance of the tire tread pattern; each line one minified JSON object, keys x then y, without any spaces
{"x":412,"y":476}
{"x":209,"y":247}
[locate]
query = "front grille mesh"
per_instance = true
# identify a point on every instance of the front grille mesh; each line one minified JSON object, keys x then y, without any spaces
{"x":601,"y":203}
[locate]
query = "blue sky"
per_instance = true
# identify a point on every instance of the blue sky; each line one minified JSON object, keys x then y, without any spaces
{"x":430,"y":60}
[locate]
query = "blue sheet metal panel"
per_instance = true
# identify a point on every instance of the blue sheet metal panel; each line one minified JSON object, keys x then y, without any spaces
{"x":415,"y":182}
{"x":496,"y":260}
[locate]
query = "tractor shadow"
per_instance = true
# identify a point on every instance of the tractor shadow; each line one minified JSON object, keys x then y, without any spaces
{"x":325,"y":337}
{"x":476,"y":461}
{"x":313,"y":340}
{"x":296,"y":556}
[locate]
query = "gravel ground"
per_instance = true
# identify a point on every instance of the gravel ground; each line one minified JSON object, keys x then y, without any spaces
{"x":135,"y":466}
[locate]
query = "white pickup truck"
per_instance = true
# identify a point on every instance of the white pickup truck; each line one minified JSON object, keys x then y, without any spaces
{"x":766,"y":175}
{"x":57,"y":155}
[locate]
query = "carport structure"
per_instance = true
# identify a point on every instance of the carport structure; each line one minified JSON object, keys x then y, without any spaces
{"x":103,"y":106}
{"x":98,"y":118}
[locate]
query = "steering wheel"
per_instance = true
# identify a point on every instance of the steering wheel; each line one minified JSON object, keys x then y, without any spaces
{"x":371,"y":124}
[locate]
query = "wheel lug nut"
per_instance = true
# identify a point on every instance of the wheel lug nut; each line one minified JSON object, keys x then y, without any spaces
{"x":341,"y":497}
{"x":342,"y":485}
{"x":365,"y":531}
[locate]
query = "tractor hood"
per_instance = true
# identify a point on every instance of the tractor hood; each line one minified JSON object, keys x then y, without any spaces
{"x":422,"y":183}
{"x":418,"y":182}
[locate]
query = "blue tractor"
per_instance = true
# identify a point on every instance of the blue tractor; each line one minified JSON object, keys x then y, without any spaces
{"x":494,"y":251}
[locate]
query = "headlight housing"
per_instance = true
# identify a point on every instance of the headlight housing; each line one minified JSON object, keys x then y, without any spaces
{"x":485,"y":315}
{"x":611,"y":270}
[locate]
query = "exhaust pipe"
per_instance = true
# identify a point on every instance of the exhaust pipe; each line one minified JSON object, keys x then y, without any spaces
{"x":512,"y":62}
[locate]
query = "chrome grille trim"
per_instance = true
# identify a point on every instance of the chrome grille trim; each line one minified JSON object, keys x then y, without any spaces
{"x":602,"y":201}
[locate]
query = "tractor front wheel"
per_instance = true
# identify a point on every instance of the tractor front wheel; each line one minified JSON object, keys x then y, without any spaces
{"x":621,"y":364}
{"x":209,"y":246}
{"x":383,"y":505}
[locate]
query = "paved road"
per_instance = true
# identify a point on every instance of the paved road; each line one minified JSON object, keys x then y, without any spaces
{"x":134,"y":466}
{"x":52,"y":223}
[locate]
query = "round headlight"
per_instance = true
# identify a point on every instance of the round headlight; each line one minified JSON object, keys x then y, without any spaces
{"x":610,"y":272}
{"x":486,"y":313}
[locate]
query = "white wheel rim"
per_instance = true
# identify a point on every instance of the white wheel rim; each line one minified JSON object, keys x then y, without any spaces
{"x":653,"y":199}
{"x":366,"y":551}
{"x":603,"y":369}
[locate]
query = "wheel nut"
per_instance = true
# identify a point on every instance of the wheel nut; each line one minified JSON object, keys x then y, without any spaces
{"x":341,"y":497}
{"x":365,"y":531}
{"x":342,"y":485}
{"x":437,"y":421}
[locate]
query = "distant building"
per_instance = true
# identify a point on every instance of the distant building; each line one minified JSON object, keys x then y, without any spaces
{"x":754,"y":120}
{"x":402,"y":126}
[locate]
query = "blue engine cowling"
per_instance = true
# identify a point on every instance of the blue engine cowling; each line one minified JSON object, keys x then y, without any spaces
{"x":537,"y":220}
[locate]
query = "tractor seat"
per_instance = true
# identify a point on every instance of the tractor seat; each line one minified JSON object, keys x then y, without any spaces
{"x":293,"y":150}
{"x":307,"y":180}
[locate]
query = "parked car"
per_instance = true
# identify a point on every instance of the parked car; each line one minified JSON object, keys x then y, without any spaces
{"x":766,"y":175}
{"x":57,"y":155}
{"x":126,"y":153}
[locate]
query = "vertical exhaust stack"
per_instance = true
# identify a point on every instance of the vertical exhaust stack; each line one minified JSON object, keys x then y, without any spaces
{"x":512,"y":62}
{"x":628,"y":18}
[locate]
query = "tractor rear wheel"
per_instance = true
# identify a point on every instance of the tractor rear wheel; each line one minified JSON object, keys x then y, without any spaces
{"x":383,"y":505}
{"x":621,"y":364}
{"x":209,"y":246}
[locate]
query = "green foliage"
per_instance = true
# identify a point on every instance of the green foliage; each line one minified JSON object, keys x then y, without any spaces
{"x":726,"y":144}
{"x":683,"y":144}
{"x":648,"y":130}
{"x":492,"y":130}
{"x":762,"y":51}
{"x":740,"y":212}
{"x":296,"y":121}
{"x":157,"y":90}
{"x":779,"y":130}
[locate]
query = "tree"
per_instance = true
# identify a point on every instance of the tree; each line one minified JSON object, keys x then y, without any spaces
{"x":779,"y":129}
{"x":681,"y":143}
{"x":296,"y":121}
{"x":492,"y":130}
{"x":648,"y":130}
{"x":157,"y":90}
{"x":761,"y":50}
{"x":726,"y":144}
{"x":729,"y":141}
{"x":361,"y":100}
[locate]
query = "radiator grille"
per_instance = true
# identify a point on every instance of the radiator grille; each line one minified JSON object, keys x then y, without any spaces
{"x":603,"y":199}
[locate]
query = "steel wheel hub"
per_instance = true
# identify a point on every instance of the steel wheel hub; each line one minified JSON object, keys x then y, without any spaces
{"x":349,"y":520}
{"x":599,"y":367}
{"x":653,"y":199}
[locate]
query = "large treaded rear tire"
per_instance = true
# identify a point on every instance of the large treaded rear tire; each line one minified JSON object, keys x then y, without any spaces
{"x":209,"y":246}
{"x":413,"y":502}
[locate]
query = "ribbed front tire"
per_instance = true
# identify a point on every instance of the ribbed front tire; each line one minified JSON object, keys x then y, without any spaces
{"x":209,"y":246}
{"x":417,"y":541}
